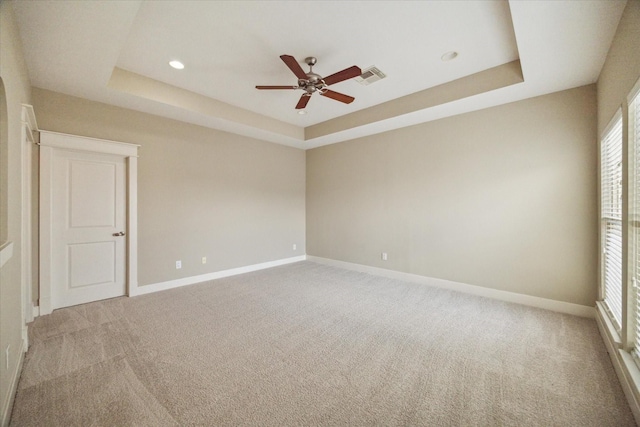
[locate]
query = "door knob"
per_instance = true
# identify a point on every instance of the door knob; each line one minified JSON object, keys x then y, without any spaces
{"x":121,"y":233}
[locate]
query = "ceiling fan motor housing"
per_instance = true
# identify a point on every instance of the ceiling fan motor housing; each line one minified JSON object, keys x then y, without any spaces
{"x":312,"y":84}
{"x":313,"y":77}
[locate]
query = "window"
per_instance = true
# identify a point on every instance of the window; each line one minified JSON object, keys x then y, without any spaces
{"x":618,"y":311}
{"x":611,"y":218}
{"x":634,"y":220}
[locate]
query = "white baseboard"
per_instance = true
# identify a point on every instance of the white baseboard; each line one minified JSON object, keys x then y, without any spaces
{"x":548,"y":304}
{"x":623,"y":363}
{"x":163,"y":286}
{"x":7,"y":405}
{"x":36,"y":311}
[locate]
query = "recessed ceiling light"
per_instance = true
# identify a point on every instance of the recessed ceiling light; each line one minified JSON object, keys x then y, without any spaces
{"x":176,"y":64}
{"x":302,"y":112}
{"x":449,"y":56}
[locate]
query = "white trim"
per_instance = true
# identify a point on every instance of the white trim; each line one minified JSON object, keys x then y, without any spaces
{"x":623,"y":363}
{"x":28,"y":140}
{"x":36,"y":311}
{"x":29,"y":117}
{"x":83,"y":143}
{"x":611,"y":341}
{"x":6,"y":252}
{"x":547,"y":304}
{"x":132,"y":225}
{"x":45,"y":208}
{"x":7,"y":405}
{"x":613,"y":335}
{"x":163,"y":286}
{"x":617,"y":116}
{"x":50,"y":141}
{"x":634,"y":92}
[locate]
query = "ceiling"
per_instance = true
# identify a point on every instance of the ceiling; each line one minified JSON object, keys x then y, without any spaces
{"x":118,"y":53}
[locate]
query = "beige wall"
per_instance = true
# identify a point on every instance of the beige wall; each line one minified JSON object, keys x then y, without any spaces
{"x":201,"y":192}
{"x":17,"y":87}
{"x":503,"y":198}
{"x":621,"y":70}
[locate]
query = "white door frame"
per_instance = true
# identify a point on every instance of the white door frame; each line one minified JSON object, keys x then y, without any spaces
{"x":28,"y":139}
{"x":50,"y":141}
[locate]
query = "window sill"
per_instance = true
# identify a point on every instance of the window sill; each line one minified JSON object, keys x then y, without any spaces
{"x":612,"y":333}
{"x":625,"y":366}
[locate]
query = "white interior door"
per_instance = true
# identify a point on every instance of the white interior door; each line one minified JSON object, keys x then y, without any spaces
{"x":88,"y":227}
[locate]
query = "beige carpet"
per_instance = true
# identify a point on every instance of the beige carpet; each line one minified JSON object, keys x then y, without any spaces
{"x":306,"y":344}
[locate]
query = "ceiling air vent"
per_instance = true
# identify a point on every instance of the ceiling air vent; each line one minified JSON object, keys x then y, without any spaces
{"x":370,"y":75}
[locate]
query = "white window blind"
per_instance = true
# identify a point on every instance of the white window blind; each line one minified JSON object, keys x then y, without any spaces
{"x":634,"y":142}
{"x":611,"y":179}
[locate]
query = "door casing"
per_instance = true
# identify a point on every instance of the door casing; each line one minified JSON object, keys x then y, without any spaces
{"x":51,"y":141}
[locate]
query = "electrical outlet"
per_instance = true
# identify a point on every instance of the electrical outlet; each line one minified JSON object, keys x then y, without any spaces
{"x":384,"y":256}
{"x":178,"y":265}
{"x":294,"y":246}
{"x":204,"y":259}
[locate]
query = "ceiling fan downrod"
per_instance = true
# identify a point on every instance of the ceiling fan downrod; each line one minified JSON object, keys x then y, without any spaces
{"x":314,"y":82}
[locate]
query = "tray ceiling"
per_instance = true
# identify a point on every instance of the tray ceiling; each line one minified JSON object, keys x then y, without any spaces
{"x":118,"y":53}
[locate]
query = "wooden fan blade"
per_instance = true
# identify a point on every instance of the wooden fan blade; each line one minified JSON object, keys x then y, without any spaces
{"x":338,"y":96}
{"x":304,"y":100}
{"x":294,"y":66}
{"x":346,"y":74}
{"x":276,"y":87}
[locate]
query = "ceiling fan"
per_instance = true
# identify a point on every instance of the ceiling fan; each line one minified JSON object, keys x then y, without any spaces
{"x":311,"y":82}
